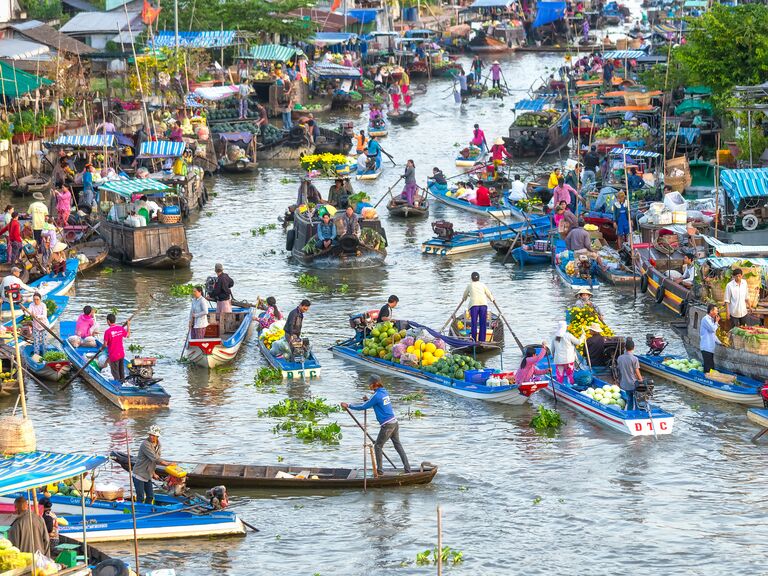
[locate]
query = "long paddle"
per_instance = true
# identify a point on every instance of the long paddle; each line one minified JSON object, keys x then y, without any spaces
{"x":388,"y":155}
{"x":552,"y":379}
{"x":501,"y":315}
{"x":452,"y":315}
{"x":85,"y":364}
{"x":388,"y":192}
{"x":369,"y":436}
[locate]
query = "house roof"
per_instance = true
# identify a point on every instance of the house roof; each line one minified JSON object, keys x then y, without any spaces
{"x":51,"y":37}
{"x":101,"y":23}
{"x":81,"y":5}
{"x":21,"y":49}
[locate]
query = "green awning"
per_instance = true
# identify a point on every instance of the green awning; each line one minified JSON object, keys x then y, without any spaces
{"x":698,"y":90}
{"x":15,"y":82}
{"x":127,"y":188}
{"x":274,"y":52}
{"x":693,"y":105}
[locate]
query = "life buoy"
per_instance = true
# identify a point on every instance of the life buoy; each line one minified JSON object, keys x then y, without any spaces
{"x":750,"y":222}
{"x":174,"y":252}
{"x":111,"y":567}
{"x":644,"y":283}
{"x":290,"y":239}
{"x":660,"y":291}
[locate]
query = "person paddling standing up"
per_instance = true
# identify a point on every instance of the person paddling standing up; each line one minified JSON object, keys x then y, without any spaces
{"x":478,"y":295}
{"x":629,"y":372}
{"x":478,"y":139}
{"x":222,"y":291}
{"x":143,"y":470}
{"x":198,"y":314}
{"x":113,"y":338}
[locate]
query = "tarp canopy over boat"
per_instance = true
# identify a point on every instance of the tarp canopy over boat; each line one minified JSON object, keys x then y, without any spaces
{"x":128,"y":188}
{"x":478,"y":4}
{"x":741,"y":184}
{"x":635,"y":153}
{"x":548,"y":12}
{"x":236,"y":136}
{"x":15,"y":82}
{"x":623,"y":54}
{"x":693,"y":105}
{"x":332,"y":70}
{"x":161,"y":149}
{"x":25,"y":471}
{"x":215,"y":93}
{"x":205,"y":39}
{"x":536,"y":105}
{"x":83,"y":141}
{"x":332,"y":38}
{"x":274,"y":52}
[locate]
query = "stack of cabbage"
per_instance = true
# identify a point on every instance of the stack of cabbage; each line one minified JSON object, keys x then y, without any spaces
{"x":608,"y":394}
{"x":11,"y":558}
{"x":683,"y":365}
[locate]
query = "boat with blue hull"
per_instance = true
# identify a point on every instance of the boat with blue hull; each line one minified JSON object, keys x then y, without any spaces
{"x":633,"y":422}
{"x":440,"y":193}
{"x":561,"y":257}
{"x":368,"y":174}
{"x":125,"y":395}
{"x":49,"y":285}
{"x":523,"y":255}
{"x":758,"y":416}
{"x":222,"y":340}
{"x":473,"y":156}
{"x":291,"y":370}
{"x":461,"y":242}
{"x":351,"y":350}
{"x":379,"y":130}
{"x":734,"y":387}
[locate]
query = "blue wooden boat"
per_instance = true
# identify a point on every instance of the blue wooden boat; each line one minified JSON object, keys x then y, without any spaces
{"x":560,"y":260}
{"x":222,"y":340}
{"x":124,"y":395}
{"x":462,"y":242}
{"x":758,"y":416}
{"x":51,"y":284}
{"x":368,"y":174}
{"x":632,"y":422}
{"x":742,"y":390}
{"x":351,"y":350}
{"x":442,"y":194}
{"x":290,"y":370}
{"x":378,"y":131}
{"x":523,"y":255}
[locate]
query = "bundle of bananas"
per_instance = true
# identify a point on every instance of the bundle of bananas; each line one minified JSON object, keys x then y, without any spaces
{"x":570,"y":268}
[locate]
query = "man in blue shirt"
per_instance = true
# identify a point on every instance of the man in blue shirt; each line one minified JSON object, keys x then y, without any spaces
{"x":707,"y":337}
{"x":390,"y":429}
{"x":634,"y":180}
{"x":326,"y":233}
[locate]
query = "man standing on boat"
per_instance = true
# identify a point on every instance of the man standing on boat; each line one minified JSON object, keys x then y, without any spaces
{"x":736,"y":292}
{"x":143,"y":470}
{"x":629,"y":372}
{"x":28,"y":531}
{"x":708,"y":337}
{"x":295,"y":320}
{"x":113,"y":340}
{"x":222,"y":291}
{"x":478,"y":295}
{"x":390,"y":429}
{"x":38,"y":211}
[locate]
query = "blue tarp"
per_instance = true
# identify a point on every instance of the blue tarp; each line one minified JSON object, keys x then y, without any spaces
{"x":161,"y":149}
{"x":25,"y":471}
{"x":536,"y":105}
{"x":209,"y":39}
{"x":549,"y":12}
{"x":493,"y":4}
{"x":85,"y":141}
{"x":364,"y":15}
{"x":687,"y":134}
{"x":744,"y":183}
{"x":331,"y":38}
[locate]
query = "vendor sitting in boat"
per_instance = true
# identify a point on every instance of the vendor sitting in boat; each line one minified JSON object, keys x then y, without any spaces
{"x":584,"y":300}
{"x":385,"y":313}
{"x":580,"y":243}
{"x":348,"y":223}
{"x":326,"y":233}
{"x":596,"y":345}
{"x":339,"y":192}
{"x":271,"y":312}
{"x":689,"y":271}
{"x":438,"y":177}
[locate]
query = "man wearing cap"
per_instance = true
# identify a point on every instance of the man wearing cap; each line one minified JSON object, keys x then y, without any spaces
{"x":13,"y":279}
{"x":28,"y":532}
{"x":222,"y":291}
{"x":596,"y":345}
{"x":144,"y":468}
{"x":38,"y":211}
{"x":390,"y":429}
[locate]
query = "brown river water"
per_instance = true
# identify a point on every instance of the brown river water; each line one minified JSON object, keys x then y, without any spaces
{"x":587,"y":500}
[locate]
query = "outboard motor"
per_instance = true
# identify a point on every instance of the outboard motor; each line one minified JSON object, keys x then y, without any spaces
{"x":299,"y":348}
{"x":644,"y":393}
{"x":210,"y":282}
{"x":218,"y":497}
{"x":656,"y":344}
{"x":443,"y":230}
{"x":141,"y":372}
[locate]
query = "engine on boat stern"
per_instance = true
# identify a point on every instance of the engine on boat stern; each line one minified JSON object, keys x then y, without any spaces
{"x":217,"y":497}
{"x":644,"y":393}
{"x":656,"y":344}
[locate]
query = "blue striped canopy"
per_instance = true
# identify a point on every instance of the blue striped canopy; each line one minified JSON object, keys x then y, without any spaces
{"x":273,"y":52}
{"x":491,"y":4}
{"x":161,"y":149}
{"x":744,"y":183}
{"x":25,"y":471}
{"x":331,"y":38}
{"x":728,"y":261}
{"x":128,"y":188}
{"x":635,"y":153}
{"x":208,"y":39}
{"x":623,"y":54}
{"x":85,"y":141}
{"x":536,"y":105}
{"x":687,"y":134}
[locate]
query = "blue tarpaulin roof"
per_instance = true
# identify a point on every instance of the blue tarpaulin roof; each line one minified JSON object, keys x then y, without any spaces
{"x":492,"y":4}
{"x":549,"y":12}
{"x":744,"y":183}
{"x":687,"y":134}
{"x":85,"y":141}
{"x":25,"y":471}
{"x":161,"y":149}
{"x":364,"y":15}
{"x":134,"y":186}
{"x":623,"y":54}
{"x":331,"y":70}
{"x":635,"y":153}
{"x":536,"y":105}
{"x":331,"y":38}
{"x":209,"y":39}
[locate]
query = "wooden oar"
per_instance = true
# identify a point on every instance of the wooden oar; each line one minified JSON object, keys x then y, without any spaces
{"x":85,"y":364}
{"x":452,"y":316}
{"x":369,"y":436}
{"x":388,"y":155}
{"x":47,"y":329}
{"x":519,"y":344}
{"x":388,"y":192}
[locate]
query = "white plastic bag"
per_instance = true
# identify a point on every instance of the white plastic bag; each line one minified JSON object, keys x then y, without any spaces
{"x":675,"y":202}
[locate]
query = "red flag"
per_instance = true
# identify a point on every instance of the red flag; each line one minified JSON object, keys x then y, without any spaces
{"x":335,"y":5}
{"x":149,"y":14}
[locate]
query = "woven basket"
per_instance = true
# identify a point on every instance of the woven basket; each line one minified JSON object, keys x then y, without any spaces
{"x":754,"y":282}
{"x":169,"y":218}
{"x":717,"y":292}
{"x":16,"y":435}
{"x":737,"y":342}
{"x":110,"y":495}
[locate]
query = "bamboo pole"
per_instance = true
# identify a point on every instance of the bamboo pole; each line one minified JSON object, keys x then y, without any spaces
{"x":133,"y":504}
{"x":19,"y":376}
{"x":82,"y":510}
{"x":365,"y":451}
{"x":629,"y":218}
{"x":717,"y":184}
{"x":439,"y":540}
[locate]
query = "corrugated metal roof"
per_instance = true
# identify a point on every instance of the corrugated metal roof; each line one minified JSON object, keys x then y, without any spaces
{"x":273,"y":52}
{"x":207,"y":39}
{"x":161,"y":149}
{"x":101,"y":22}
{"x":744,"y":183}
{"x":21,"y":49}
{"x":332,"y":70}
{"x":536,"y":105}
{"x":51,"y":37}
{"x":728,"y":262}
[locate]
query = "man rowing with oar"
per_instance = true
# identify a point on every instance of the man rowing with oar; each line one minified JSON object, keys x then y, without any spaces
{"x":390,"y":429}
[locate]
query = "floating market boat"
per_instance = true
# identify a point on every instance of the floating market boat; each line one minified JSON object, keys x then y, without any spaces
{"x":369,"y":174}
{"x":461,"y":327}
{"x":46,"y":368}
{"x":447,"y":242}
{"x":378,"y":130}
{"x":511,"y":394}
{"x":125,"y":395}
{"x":728,"y":386}
{"x":653,"y":268}
{"x":632,"y":422}
{"x":758,"y":416}
{"x":290,"y":368}
{"x":538,"y":129}
{"x":568,"y":270}
{"x":222,"y":340}
{"x":528,"y":254}
{"x":350,"y":251}
{"x":91,"y":254}
{"x":404,"y":117}
{"x":472,"y":157}
{"x":442,"y":194}
{"x":400,"y":208}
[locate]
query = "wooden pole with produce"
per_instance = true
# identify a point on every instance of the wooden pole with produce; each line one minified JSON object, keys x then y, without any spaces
{"x":629,"y":219}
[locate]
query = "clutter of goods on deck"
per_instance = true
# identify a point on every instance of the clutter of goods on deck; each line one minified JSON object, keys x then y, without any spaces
{"x":580,"y":318}
{"x":11,"y":558}
{"x":272,"y":334}
{"x":750,"y":338}
{"x":542,"y":119}
{"x":325,"y":164}
{"x":683,"y":365}
{"x":608,"y":395}
{"x":627,"y":132}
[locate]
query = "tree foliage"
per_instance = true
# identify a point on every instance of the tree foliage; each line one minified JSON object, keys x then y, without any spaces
{"x":42,"y":9}
{"x":257,"y":16}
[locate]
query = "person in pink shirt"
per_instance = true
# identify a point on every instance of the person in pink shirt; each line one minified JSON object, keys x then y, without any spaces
{"x":528,"y":369}
{"x":565,"y":192}
{"x":63,"y":205}
{"x":113,"y":338}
